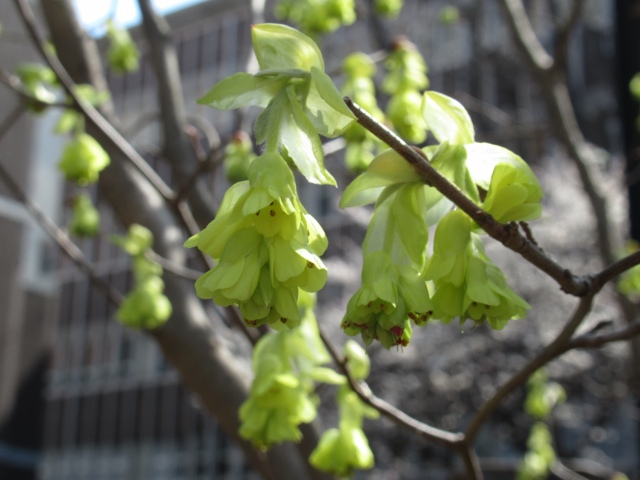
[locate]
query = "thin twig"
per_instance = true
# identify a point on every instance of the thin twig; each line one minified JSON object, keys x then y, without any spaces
{"x":397,"y":416}
{"x":551,"y":351}
{"x":14,"y":83}
{"x":528,"y":233}
{"x":615,"y":269}
{"x":11,"y":119}
{"x":589,"y":341}
{"x":61,"y":238}
{"x":559,"y":104}
{"x":88,"y":110}
{"x":507,"y":234}
{"x":172,"y":267}
{"x":563,"y":35}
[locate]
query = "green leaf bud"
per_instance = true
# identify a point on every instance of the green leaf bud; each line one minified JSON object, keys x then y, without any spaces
{"x":85,"y":220}
{"x":145,"y":306}
{"x":279,"y":46}
{"x":388,"y":8}
{"x":83,"y":159}
{"x":123,"y":55}
{"x":404,"y":112}
{"x":357,"y":360}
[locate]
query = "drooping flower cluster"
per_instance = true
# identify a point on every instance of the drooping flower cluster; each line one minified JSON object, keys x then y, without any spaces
{"x":342,"y":450}
{"x":401,"y":285}
{"x":266,"y":244}
{"x":467,"y":283}
{"x":286,"y":366}
{"x":145,"y":306}
{"x":393,"y":291}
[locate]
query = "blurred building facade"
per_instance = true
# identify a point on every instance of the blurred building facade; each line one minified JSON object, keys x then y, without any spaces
{"x":114,"y":408}
{"x":27,"y":282}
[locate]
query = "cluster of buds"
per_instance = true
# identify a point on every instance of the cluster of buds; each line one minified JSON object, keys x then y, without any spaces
{"x":83,"y":159}
{"x":317,"y":16}
{"x":286,"y":367}
{"x":145,"y":306}
{"x":361,"y":144}
{"x":388,"y":8}
{"x":123,"y":54}
{"x":85,"y":219}
{"x":406,"y":78}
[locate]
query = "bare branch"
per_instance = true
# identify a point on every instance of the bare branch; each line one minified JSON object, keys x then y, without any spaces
{"x":173,"y":119}
{"x":589,"y":341}
{"x":111,"y":134}
{"x":615,"y":269}
{"x":397,"y":416}
{"x":10,"y":120}
{"x":560,"y":107}
{"x":61,"y":238}
{"x":526,"y":38}
{"x":551,"y":351}
{"x":564,"y":34}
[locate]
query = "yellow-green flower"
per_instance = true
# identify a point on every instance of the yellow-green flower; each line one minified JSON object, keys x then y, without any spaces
{"x":342,"y":451}
{"x":266,"y":244}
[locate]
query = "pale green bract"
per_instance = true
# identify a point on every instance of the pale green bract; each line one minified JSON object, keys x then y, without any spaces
{"x":300,"y":100}
{"x":447,"y":119}
{"x":400,"y":284}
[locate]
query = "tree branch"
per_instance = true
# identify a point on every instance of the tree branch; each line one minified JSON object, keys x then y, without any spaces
{"x":551,"y":351}
{"x":526,"y":38}
{"x":560,"y":107}
{"x":61,"y":238}
{"x":563,"y":34}
{"x":589,"y":341}
{"x":615,"y":269}
{"x":173,"y":119}
{"x":397,"y":416}
{"x":507,"y":234}
{"x":110,"y":133}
